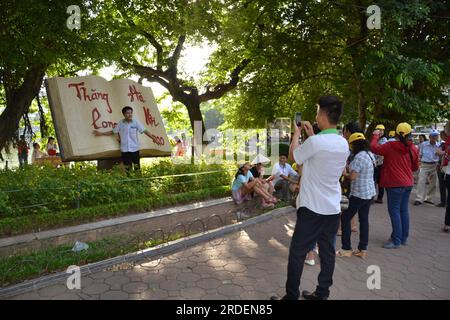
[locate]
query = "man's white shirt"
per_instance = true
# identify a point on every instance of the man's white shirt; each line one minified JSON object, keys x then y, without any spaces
{"x":285,"y":170}
{"x":128,"y":131}
{"x":324,"y":157}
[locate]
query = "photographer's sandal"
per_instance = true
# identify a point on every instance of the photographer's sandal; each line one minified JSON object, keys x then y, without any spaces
{"x":344,"y":253}
{"x":360,"y":253}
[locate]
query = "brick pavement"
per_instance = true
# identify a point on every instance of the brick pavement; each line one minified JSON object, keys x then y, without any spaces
{"x":251,"y":264}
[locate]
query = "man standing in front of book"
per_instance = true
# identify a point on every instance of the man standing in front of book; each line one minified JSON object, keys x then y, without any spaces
{"x":126,"y":132}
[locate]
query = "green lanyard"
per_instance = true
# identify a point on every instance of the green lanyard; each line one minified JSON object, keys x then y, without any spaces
{"x":329,"y":131}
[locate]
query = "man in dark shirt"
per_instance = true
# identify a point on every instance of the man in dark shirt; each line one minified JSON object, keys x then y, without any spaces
{"x":22,"y":148}
{"x":440,"y":173}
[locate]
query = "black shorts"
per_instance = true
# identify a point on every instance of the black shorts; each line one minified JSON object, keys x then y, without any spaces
{"x":130,"y":158}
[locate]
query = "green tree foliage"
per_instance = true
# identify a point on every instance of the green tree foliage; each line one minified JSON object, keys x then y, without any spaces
{"x":302,"y":49}
{"x":167,"y":27}
{"x":176,"y":118}
{"x":36,"y":42}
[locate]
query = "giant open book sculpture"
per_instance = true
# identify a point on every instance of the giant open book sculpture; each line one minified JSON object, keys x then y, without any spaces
{"x":81,"y":105}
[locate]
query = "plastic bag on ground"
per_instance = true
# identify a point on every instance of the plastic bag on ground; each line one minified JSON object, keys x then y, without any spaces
{"x":80,"y":246}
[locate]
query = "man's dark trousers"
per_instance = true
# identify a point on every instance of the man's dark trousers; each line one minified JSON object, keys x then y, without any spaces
{"x":442,"y":186}
{"x":312,"y":228}
{"x":131,"y":158}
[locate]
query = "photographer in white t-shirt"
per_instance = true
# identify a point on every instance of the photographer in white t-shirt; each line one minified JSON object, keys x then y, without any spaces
{"x":323,"y":157}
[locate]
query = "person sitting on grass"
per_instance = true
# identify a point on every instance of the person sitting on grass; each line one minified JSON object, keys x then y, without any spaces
{"x":37,"y":153}
{"x":244,"y":184}
{"x":282,"y":174}
{"x":258,"y":171}
{"x":52,"y":149}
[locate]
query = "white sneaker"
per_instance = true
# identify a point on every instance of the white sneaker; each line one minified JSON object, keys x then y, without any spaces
{"x":310,"y":262}
{"x":242,"y":215}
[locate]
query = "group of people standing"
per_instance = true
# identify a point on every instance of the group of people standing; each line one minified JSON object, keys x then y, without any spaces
{"x":320,"y":162}
{"x":442,"y":152}
{"x":388,"y":164}
{"x":325,"y":158}
{"x":432,"y":171}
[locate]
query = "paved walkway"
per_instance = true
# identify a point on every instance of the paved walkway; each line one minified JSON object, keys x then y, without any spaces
{"x":251,"y":264}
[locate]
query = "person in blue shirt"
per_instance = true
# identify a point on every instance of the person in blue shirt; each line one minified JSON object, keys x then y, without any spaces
{"x":429,"y":159}
{"x":244,"y":184}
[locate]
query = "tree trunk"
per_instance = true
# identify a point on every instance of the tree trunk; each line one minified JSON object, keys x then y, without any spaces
{"x":356,"y":47}
{"x":362,"y":105}
{"x":9,"y":122}
{"x":195,"y":114}
{"x":362,"y":116}
{"x":18,"y":101}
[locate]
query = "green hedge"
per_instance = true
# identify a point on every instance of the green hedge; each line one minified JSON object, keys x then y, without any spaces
{"x":32,"y":223}
{"x":40,"y":190}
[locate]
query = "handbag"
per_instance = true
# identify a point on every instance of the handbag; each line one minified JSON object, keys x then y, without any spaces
{"x":414,"y":167}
